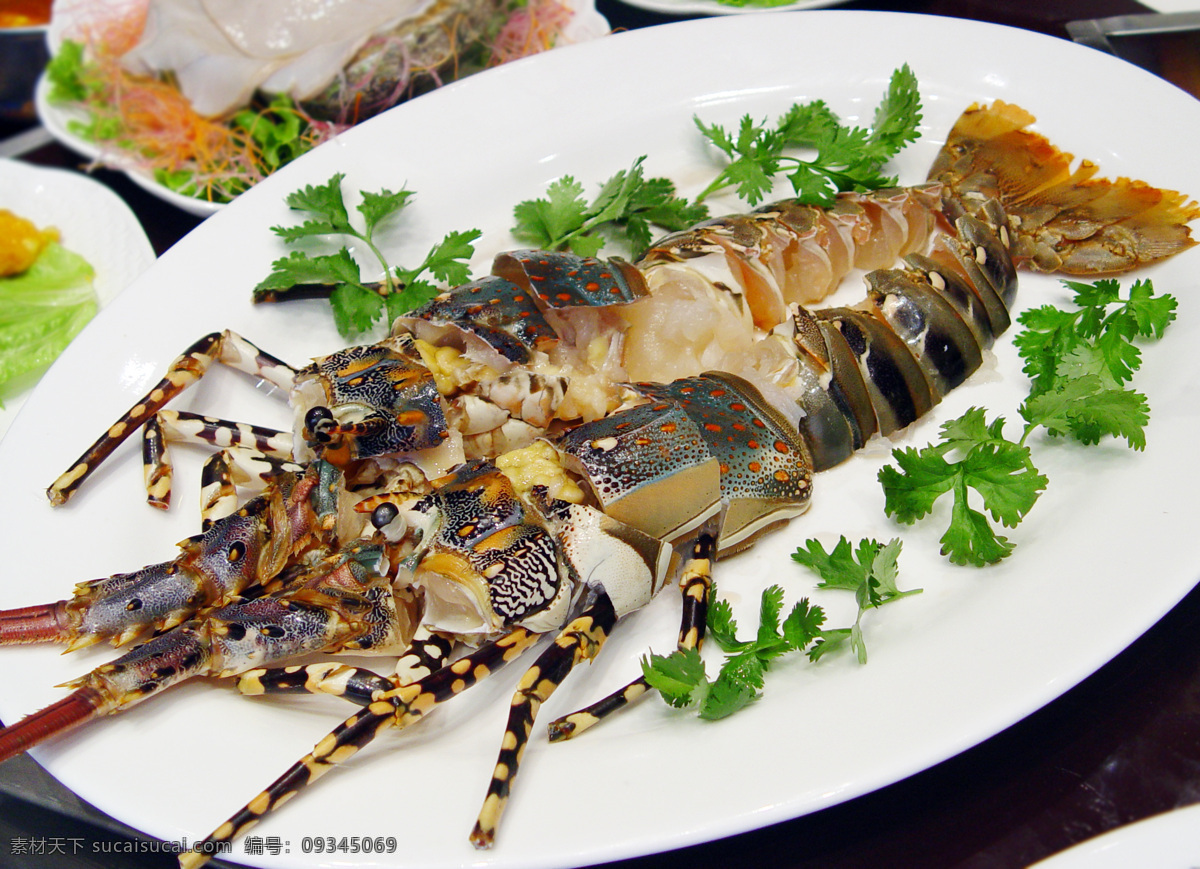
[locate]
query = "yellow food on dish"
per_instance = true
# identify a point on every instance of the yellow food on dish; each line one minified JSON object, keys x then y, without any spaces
{"x":21,"y":242}
{"x":24,"y":13}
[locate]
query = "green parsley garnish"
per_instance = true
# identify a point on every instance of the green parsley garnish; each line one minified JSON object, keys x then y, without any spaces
{"x":847,"y":158}
{"x":625,"y":208}
{"x":681,"y":678}
{"x":628,"y":204}
{"x":999,"y":470}
{"x":869,"y":572}
{"x":1078,"y":363}
{"x":358,"y":305}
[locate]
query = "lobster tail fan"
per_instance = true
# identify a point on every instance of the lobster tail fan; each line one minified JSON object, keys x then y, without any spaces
{"x":1063,"y":219}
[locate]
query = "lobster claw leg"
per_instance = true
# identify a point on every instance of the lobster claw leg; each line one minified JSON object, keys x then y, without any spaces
{"x":580,"y":640}
{"x":356,"y":684}
{"x":226,"y":347}
{"x":694,"y":584}
{"x":427,"y":652}
{"x":399,"y":708}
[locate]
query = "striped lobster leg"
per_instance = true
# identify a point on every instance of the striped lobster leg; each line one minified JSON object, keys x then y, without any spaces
{"x":228,"y":348}
{"x":399,"y":707}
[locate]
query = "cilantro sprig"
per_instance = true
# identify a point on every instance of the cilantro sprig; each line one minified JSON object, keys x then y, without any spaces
{"x":625,"y":208}
{"x":681,"y":678}
{"x":628,"y":204}
{"x":999,"y":470}
{"x":1079,"y":363}
{"x":869,"y":572}
{"x":846,"y":158}
{"x":358,"y":305}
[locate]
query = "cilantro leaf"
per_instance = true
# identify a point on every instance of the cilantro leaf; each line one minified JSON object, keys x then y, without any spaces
{"x":1080,"y":361}
{"x":378,"y":207}
{"x":679,"y":677}
{"x":300,"y":268}
{"x":733,"y":690}
{"x":999,"y":470}
{"x":870,"y":572}
{"x":847,"y":158}
{"x":358,"y":305}
{"x":355,"y":309}
{"x":626,"y":206}
{"x":324,"y":200}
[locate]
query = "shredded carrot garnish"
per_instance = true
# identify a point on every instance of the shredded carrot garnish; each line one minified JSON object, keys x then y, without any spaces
{"x":147,"y":124}
{"x":533,"y":28}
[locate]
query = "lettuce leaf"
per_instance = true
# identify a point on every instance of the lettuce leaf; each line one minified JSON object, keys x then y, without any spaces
{"x":42,"y":309}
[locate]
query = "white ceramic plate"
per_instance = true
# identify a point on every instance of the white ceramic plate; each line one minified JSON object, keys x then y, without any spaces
{"x":94,"y":222}
{"x":715,"y":7}
{"x":1106,"y":553}
{"x":587,"y":24}
{"x":1167,"y":841}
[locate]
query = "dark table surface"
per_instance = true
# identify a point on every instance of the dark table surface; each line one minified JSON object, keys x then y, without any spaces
{"x":1121,"y":746}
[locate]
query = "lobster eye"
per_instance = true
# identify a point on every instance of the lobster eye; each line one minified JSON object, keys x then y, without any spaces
{"x":319,"y":420}
{"x":383,"y":515}
{"x":387,"y":520}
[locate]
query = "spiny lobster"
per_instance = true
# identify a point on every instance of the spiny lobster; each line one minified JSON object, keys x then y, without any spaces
{"x":552,"y":497}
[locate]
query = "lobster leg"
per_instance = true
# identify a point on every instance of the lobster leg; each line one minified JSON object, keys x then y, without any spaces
{"x":355,"y":684}
{"x":427,"y":652}
{"x":225,"y":347}
{"x":266,"y":450}
{"x":224,"y":471}
{"x":399,"y":707}
{"x":694,"y":584}
{"x":578,"y":641}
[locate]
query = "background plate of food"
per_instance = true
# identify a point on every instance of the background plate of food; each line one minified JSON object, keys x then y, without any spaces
{"x":100,"y":248}
{"x":197,"y":100}
{"x":728,"y":7}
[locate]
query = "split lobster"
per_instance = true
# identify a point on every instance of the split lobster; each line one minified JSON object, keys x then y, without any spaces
{"x":542,"y":450}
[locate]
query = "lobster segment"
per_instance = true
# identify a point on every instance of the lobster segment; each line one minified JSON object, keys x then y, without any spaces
{"x":1065,"y":221}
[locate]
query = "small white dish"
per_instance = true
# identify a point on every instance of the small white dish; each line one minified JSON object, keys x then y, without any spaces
{"x":93,"y":221}
{"x":1170,"y":840}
